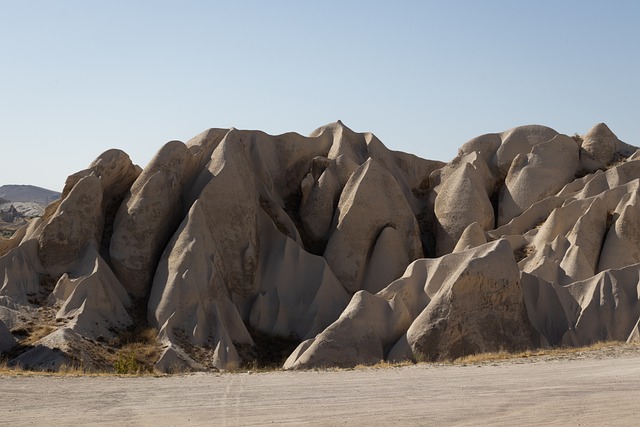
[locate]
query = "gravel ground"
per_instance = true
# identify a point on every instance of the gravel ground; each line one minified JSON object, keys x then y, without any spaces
{"x":600,"y":387}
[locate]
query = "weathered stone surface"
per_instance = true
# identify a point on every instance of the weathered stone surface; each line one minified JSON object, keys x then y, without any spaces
{"x":463,"y":198}
{"x":148,"y":216}
{"x":598,"y":147}
{"x":537,"y":175}
{"x":19,"y":270}
{"x":603,"y":307}
{"x":622,"y":243}
{"x":299,"y":295}
{"x":477,"y":292}
{"x":238,"y":244}
{"x":371,"y":201}
{"x":479,"y":309}
{"x":472,"y":236}
{"x":96,"y":304}
{"x":519,"y":140}
{"x":189,"y":300}
{"x":77,"y":221}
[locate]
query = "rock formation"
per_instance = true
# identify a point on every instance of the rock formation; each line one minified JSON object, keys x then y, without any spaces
{"x":331,"y":250}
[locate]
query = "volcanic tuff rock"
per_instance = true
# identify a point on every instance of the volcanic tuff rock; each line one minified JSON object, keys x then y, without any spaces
{"x":237,"y":246}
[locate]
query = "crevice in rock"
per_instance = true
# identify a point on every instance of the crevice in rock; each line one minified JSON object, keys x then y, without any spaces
{"x":267,"y":207}
{"x":610,"y":222}
{"x":268,"y":351}
{"x":426,"y":221}
{"x":111,"y":208}
{"x":494,"y":198}
{"x":292,"y":204}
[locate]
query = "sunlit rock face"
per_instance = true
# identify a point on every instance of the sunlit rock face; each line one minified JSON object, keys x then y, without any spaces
{"x":329,"y":250}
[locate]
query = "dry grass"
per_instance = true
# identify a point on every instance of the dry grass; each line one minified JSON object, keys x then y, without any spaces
{"x":134,"y":352}
{"x":35,"y":333}
{"x":577,"y":138}
{"x":138,"y":351}
{"x":554,"y":352}
{"x":141,"y":352}
{"x":383,"y":364}
{"x":64,"y":371}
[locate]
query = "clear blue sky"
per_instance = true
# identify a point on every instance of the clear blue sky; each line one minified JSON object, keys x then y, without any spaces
{"x":80,"y":77}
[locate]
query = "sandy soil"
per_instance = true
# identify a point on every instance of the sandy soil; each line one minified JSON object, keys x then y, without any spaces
{"x":595,"y":388}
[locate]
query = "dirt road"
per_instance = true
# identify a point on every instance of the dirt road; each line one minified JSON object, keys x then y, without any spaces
{"x":588,"y":391}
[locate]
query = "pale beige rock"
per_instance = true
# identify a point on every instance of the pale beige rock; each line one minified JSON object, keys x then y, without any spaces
{"x":519,"y":140}
{"x":371,"y":201}
{"x":20,"y":273}
{"x":484,"y":145}
{"x":61,"y":348}
{"x":622,"y":243}
{"x":567,"y":245}
{"x":598,"y":147}
{"x":463,"y":198}
{"x":599,"y":182}
{"x":586,"y":238}
{"x":222,"y":235}
{"x":602,"y":308}
{"x":545,"y":261}
{"x":328,"y":176}
{"x":114,"y":169}
{"x":189,"y":299}
{"x":230,"y":201}
{"x":116,"y":173}
{"x":610,"y":186}
{"x":321,"y":194}
{"x":148,"y":216}
{"x":202,"y":145}
{"x":299,"y":295}
{"x":536,"y":175}
{"x":479,"y":310}
{"x":411,"y":173}
{"x":78,"y":221}
{"x":346,"y":142}
{"x":549,"y":308}
{"x":471,"y":237}
{"x":372,"y":324}
{"x":97,"y":305}
{"x":531,"y":218}
{"x":173,"y":359}
{"x":388,"y":257}
{"x":359,"y":336}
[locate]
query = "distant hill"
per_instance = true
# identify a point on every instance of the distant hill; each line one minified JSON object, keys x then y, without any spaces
{"x":28,"y":193}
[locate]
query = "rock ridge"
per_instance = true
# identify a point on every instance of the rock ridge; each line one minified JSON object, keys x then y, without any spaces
{"x":237,"y":243}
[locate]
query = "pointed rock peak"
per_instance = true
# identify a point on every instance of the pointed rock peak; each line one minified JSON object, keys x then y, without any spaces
{"x":600,"y":130}
{"x":333,"y":127}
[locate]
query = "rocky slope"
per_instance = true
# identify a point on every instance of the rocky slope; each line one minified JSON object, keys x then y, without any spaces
{"x":238,"y":243}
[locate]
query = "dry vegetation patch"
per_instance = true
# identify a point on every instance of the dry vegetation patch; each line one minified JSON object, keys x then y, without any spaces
{"x":596,"y":350}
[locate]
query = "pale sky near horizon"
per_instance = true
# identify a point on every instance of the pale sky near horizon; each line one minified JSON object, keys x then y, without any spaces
{"x":80,"y":77}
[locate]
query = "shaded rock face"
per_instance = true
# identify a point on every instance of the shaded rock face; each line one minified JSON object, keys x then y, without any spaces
{"x":7,"y":341}
{"x":236,"y":241}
